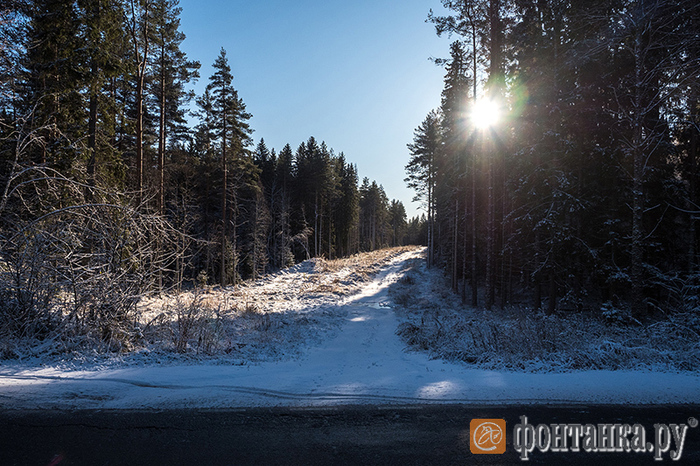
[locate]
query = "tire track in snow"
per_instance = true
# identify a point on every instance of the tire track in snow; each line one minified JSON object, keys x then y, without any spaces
{"x":279,"y":394}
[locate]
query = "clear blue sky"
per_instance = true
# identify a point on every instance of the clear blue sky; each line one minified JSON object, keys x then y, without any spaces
{"x":355,"y":74}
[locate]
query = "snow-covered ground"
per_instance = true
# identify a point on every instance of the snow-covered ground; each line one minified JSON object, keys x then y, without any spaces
{"x":354,"y":356}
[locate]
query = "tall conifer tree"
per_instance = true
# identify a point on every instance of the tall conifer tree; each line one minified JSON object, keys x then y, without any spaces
{"x":232,"y":132}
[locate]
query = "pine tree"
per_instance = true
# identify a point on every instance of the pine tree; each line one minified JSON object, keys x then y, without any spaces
{"x":652,"y":38}
{"x":204,"y":147}
{"x":266,"y":162}
{"x":140,"y":31}
{"x":249,"y":220}
{"x":451,"y":182}
{"x":172,"y":71}
{"x":232,"y":135}
{"x":468,"y":19}
{"x":422,"y":168}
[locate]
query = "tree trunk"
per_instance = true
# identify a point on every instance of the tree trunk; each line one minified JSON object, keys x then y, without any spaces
{"x":692,"y":188}
{"x":495,"y":83}
{"x":475,"y":282}
{"x":475,"y":291}
{"x":317,"y":227}
{"x":161,"y":156}
{"x":92,"y":118}
{"x":552,"y":304}
{"x":464,"y":255}
{"x":490,"y":238}
{"x":431,"y":228}
{"x":139,"y":135}
{"x":636,"y":252}
{"x":142,"y":61}
{"x":161,"y":136}
{"x":224,"y":195}
{"x":92,"y":130}
{"x":455,"y":233}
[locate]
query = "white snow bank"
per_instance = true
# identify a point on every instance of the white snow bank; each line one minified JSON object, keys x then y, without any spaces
{"x":347,"y":379}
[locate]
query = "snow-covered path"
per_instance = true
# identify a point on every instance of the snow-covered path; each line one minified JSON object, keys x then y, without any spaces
{"x":364,"y":362}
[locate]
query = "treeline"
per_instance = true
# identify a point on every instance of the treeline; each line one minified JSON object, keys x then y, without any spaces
{"x":584,"y":194}
{"x":108,"y":193}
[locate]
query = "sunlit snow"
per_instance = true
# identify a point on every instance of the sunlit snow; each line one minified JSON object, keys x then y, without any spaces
{"x":362,"y":361}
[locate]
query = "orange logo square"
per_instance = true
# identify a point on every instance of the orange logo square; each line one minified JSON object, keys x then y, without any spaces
{"x":487,"y":436}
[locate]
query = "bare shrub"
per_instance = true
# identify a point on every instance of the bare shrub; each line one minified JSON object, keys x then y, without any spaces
{"x":258,"y":319}
{"x":75,"y":260}
{"x":197,"y":327}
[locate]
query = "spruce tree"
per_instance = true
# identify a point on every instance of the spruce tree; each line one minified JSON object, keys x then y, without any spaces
{"x":346,"y":212}
{"x":102,"y":36}
{"x":232,"y":133}
{"x":397,"y":221}
{"x":13,"y":43}
{"x":53,"y":81}
{"x":281,"y":201}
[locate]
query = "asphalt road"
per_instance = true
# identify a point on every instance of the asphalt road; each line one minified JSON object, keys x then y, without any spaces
{"x":425,"y":435}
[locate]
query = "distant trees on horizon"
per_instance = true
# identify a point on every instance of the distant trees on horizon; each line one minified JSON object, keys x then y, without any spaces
{"x":108,"y":194}
{"x":101,"y":86}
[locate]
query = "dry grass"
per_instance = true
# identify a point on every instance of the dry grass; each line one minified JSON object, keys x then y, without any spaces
{"x":346,"y":276}
{"x":435,"y":321}
{"x":272,"y":310}
{"x":268,"y":318}
{"x":365,"y":262}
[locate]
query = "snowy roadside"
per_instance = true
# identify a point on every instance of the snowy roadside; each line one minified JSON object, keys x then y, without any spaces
{"x":349,"y":354}
{"x":275,"y":317}
{"x":517,"y":338}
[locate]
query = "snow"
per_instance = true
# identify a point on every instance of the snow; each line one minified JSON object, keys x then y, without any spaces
{"x":356,"y":358}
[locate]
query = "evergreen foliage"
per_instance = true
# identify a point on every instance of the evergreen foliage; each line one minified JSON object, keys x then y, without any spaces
{"x":583,"y":195}
{"x":100,"y":170}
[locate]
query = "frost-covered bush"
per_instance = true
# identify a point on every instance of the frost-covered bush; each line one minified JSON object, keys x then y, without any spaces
{"x":519,"y":338}
{"x":613,"y":315}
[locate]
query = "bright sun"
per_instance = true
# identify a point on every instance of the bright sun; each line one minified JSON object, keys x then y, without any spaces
{"x":485,"y":113}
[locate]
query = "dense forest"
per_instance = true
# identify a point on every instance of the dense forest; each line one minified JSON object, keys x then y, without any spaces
{"x":583,"y":195}
{"x":108,"y":192}
{"x":116,"y":180}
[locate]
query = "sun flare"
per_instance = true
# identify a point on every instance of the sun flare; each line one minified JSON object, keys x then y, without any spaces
{"x":485,"y":113}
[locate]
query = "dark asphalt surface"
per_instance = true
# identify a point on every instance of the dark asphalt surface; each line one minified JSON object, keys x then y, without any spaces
{"x":421,"y":435}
